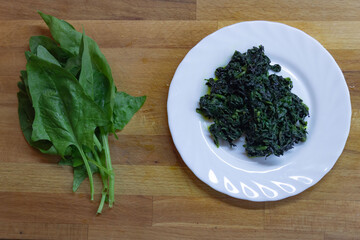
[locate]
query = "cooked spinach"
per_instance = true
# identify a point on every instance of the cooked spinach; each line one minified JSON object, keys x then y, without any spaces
{"x":68,"y":103}
{"x":244,"y":99}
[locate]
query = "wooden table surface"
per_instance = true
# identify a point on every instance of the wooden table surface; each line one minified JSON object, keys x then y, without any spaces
{"x":157,"y":196}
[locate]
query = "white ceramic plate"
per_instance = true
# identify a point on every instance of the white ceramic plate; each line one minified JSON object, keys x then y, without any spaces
{"x":317,"y":79}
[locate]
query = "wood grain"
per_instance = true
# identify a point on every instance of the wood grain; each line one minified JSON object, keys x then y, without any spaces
{"x":197,"y":232}
{"x":340,"y":235}
{"x":313,"y":215}
{"x":110,"y":33}
{"x":130,"y":180}
{"x":46,"y":208}
{"x":330,"y":34}
{"x":44,"y":231}
{"x":105,"y":9}
{"x":157,"y":196}
{"x":308,"y":10}
{"x":177,"y":212}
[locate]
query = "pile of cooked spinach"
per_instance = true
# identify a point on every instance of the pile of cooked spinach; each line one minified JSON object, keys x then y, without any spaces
{"x":244,"y":99}
{"x":68,"y":103}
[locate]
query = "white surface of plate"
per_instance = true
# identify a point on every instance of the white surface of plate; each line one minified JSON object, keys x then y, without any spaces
{"x":317,"y":79}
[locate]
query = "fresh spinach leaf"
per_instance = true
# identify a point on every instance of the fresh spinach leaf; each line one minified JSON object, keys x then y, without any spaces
{"x":60,"y":54}
{"x":73,"y":65}
{"x":86,"y":75}
{"x":26,"y":119}
{"x":27,"y":55}
{"x":66,"y":162}
{"x":62,"y":106}
{"x":67,"y":104}
{"x":93,"y":79}
{"x":125,"y":107}
{"x":72,"y":40}
{"x":63,"y":33}
{"x":43,"y":53}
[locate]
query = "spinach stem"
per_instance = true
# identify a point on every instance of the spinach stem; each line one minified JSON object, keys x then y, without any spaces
{"x":104,"y":138}
{"x":97,"y":143}
{"x":87,"y":166}
{"x":103,"y":173}
{"x":101,"y":205}
{"x":100,"y":167}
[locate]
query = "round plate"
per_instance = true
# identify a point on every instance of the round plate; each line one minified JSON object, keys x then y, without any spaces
{"x":317,"y":79}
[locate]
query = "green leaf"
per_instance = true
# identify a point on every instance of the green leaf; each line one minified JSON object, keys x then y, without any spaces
{"x":21,"y":87}
{"x":27,"y":55}
{"x":77,"y":162}
{"x":26,"y":118}
{"x":63,"y":111}
{"x":73,"y":65}
{"x":100,"y":63}
{"x":60,"y":54}
{"x":80,"y":174}
{"x":66,"y":93}
{"x":26,"y":115}
{"x":24,"y":86}
{"x":125,"y":107}
{"x":86,"y":79}
{"x":66,"y":162}
{"x":99,"y":86}
{"x":46,"y":55}
{"x":64,"y":33}
{"x":72,"y":158}
{"x":72,"y":41}
{"x":51,"y":150}
{"x":102,"y":92}
{"x":38,"y":132}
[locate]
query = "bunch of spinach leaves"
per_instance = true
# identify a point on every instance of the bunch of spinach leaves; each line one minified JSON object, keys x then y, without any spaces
{"x":68,"y":103}
{"x":244,"y":99}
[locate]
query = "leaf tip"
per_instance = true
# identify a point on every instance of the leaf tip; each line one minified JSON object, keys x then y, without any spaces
{"x":47,"y":18}
{"x":41,"y":13}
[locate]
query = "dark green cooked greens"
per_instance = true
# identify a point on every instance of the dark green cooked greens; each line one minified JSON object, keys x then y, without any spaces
{"x":68,"y":104}
{"x":244,"y":99}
